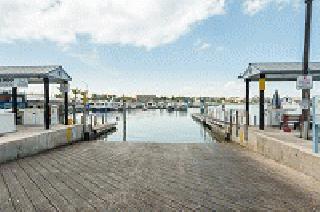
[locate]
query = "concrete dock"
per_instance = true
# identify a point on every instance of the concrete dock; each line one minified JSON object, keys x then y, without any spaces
{"x":32,"y":140}
{"x":147,"y":177}
{"x":285,"y":148}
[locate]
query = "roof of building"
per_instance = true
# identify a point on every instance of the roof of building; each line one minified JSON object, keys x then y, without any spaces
{"x":282,"y":71}
{"x":35,"y":74}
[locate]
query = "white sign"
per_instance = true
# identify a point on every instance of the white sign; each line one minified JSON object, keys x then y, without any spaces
{"x":304,"y":82}
{"x":64,"y":88}
{"x":6,"y":83}
{"x":21,"y":82}
{"x":9,"y":83}
{"x":305,"y":104}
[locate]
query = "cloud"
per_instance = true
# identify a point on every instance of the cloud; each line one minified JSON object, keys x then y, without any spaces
{"x":251,"y":7}
{"x":88,"y":57}
{"x":146,"y":23}
{"x":200,"y":45}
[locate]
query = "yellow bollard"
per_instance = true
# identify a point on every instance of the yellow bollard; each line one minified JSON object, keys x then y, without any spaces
{"x":69,"y":134}
{"x":70,"y":121}
{"x":241,"y":136}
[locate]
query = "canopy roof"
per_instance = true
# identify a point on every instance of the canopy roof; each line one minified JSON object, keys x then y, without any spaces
{"x":35,"y":74}
{"x":287,"y":71}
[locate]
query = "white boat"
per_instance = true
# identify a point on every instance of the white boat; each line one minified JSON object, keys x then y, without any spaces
{"x":151,"y":105}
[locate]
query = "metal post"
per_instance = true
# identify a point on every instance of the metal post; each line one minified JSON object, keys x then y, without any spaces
{"x":124,"y":120}
{"x":74,"y":108}
{"x":201,"y":105}
{"x":46,"y":103}
{"x":261,"y":101}
{"x":306,"y":56}
{"x":14,"y":104}
{"x":237,"y":123}
{"x":315,"y":138}
{"x":95,"y":120}
{"x":86,"y":135}
{"x":66,"y":103}
{"x":231,"y":123}
{"x":91,"y":122}
{"x":315,"y":126}
{"x":246,"y":133}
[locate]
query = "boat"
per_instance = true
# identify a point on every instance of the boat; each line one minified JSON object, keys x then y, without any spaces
{"x":170,"y":108}
{"x":182,"y":107}
{"x":151,"y":105}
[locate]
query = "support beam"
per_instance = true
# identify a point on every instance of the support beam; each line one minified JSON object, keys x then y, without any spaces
{"x":66,"y":103}
{"x":46,"y":103}
{"x":15,"y":104}
{"x":247,"y":109}
{"x":306,"y":56}
{"x":261,"y":101}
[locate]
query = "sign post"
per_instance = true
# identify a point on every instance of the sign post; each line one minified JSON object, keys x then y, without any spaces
{"x":305,"y":83}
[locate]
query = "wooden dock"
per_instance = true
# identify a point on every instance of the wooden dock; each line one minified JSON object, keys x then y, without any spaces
{"x":124,"y":176}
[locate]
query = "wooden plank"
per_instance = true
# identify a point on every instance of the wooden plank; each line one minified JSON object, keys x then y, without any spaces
{"x":90,"y":181}
{"x":19,"y":197}
{"x":5,"y":199}
{"x":75,"y":200}
{"x":74,"y":182}
{"x":56,"y":199}
{"x":36,"y":196}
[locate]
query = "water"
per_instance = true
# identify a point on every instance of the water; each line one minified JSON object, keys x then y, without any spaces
{"x":159,"y":126}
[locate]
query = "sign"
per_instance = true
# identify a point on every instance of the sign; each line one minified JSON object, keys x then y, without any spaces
{"x":21,"y":82}
{"x":64,"y":88}
{"x":305,"y":104}
{"x":17,"y":82}
{"x":304,"y":82}
{"x":6,"y":83}
{"x":262,"y":84}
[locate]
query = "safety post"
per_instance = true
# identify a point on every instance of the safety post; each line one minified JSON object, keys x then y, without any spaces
{"x":237,"y":123}
{"x":315,"y":124}
{"x":85,"y":100}
{"x":231,"y":123}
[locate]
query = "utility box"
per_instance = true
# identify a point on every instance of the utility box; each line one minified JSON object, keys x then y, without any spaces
{"x":54,"y":115}
{"x":274,"y":117}
{"x":33,"y":116}
{"x":7,"y":123}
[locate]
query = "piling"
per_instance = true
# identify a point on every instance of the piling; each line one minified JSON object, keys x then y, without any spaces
{"x":124,"y":121}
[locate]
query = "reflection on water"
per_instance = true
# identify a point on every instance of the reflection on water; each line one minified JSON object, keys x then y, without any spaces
{"x":158,"y":126}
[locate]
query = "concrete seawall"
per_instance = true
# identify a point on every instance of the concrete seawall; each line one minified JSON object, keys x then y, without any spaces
{"x":29,"y":142}
{"x":284,"y":148}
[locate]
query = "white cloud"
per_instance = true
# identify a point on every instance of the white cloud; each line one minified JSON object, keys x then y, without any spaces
{"x":87,"y":57}
{"x":147,"y":23}
{"x":200,"y":45}
{"x":251,"y":7}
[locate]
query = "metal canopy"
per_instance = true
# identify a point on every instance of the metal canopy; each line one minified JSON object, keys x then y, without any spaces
{"x":35,"y":74}
{"x":287,"y":71}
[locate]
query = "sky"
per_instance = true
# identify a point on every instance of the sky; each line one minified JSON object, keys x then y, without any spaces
{"x":163,"y":47}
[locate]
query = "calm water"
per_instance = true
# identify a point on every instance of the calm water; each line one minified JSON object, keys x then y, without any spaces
{"x":158,"y":126}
